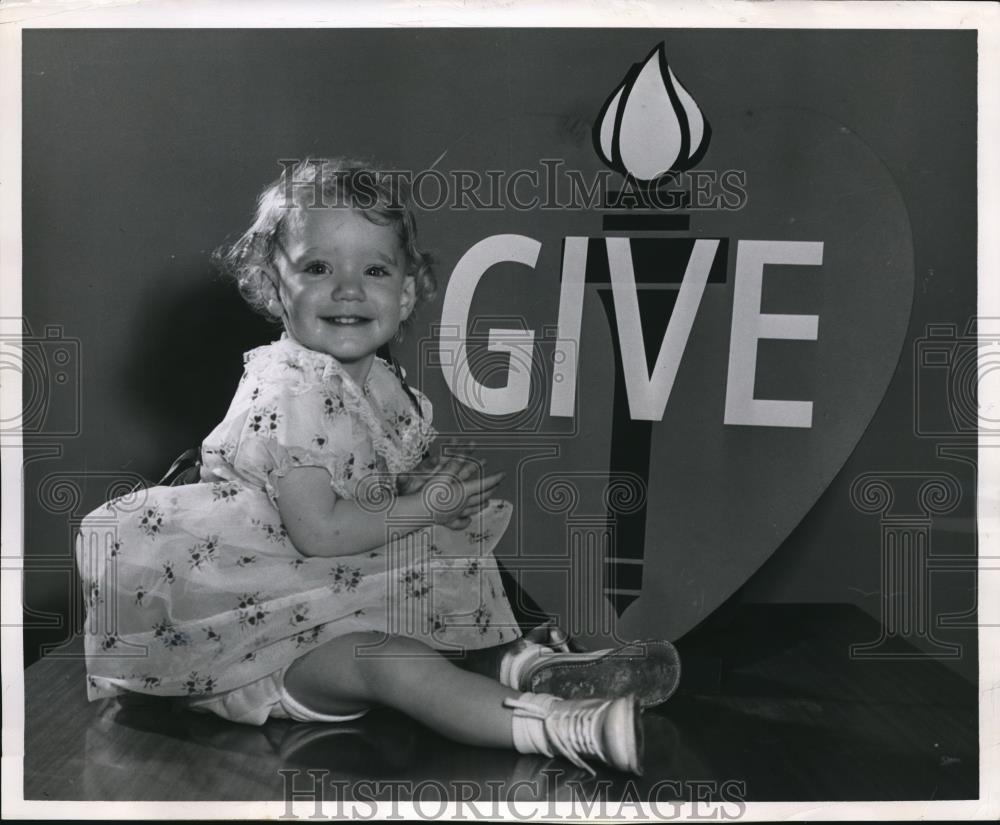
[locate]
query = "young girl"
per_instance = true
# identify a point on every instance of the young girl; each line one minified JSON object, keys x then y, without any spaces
{"x":308,"y":576}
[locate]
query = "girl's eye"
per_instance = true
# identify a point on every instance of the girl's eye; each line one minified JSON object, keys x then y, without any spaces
{"x":318,"y":268}
{"x":377,"y":272}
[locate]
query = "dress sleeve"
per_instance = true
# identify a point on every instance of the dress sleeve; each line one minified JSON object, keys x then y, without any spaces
{"x":291,"y":425}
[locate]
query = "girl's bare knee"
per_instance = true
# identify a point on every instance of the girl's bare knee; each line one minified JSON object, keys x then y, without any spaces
{"x":325,"y":680}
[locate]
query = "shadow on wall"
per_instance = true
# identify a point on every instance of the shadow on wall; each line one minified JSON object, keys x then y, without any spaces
{"x":186,"y":363}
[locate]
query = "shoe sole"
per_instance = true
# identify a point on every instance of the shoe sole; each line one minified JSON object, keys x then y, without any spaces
{"x":650,"y":671}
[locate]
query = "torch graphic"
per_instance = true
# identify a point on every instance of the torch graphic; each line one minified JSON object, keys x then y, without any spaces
{"x":650,"y":130}
{"x":650,"y":126}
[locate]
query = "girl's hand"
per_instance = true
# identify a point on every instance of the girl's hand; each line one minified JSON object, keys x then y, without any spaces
{"x":456,"y":492}
{"x":443,"y":469}
{"x":413,"y":482}
{"x":461,"y":467}
{"x":464,"y":468}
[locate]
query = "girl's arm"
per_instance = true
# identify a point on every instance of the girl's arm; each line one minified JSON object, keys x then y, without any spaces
{"x":320,"y":523}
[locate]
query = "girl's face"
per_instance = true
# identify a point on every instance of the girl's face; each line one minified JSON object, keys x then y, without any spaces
{"x":342,"y":285}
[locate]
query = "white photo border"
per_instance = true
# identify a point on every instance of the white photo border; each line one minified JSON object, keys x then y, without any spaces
{"x":983,"y":17}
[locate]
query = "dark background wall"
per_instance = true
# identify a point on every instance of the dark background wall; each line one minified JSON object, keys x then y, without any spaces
{"x":143,"y":150}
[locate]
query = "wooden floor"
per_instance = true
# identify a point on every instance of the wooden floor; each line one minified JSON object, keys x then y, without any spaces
{"x":770,"y":699}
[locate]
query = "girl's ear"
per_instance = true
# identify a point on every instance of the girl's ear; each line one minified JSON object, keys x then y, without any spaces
{"x":274,"y":305}
{"x":408,"y":300}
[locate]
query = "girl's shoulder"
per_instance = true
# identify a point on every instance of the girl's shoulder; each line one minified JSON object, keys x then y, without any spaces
{"x":388,"y":381}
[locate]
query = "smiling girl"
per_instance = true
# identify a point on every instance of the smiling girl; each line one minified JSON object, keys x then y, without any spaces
{"x":307,"y":575}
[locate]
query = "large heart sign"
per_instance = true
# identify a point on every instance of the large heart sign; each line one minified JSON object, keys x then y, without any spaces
{"x":715,"y":361}
{"x":724,"y":494}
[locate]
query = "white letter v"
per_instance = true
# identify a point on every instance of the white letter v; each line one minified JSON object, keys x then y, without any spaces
{"x":648,"y":394}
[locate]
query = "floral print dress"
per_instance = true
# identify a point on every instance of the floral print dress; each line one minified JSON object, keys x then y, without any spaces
{"x":196,"y":589}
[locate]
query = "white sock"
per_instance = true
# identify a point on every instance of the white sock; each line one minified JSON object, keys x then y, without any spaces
{"x":529,"y":730}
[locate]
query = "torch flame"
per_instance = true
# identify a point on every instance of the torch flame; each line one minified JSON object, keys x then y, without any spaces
{"x":650,"y":125}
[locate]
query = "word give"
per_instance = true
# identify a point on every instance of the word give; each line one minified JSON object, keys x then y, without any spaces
{"x":648,"y":391}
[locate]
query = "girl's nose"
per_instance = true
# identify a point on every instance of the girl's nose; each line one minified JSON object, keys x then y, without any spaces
{"x":348,"y":288}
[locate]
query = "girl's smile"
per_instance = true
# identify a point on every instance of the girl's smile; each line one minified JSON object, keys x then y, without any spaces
{"x":342,"y":285}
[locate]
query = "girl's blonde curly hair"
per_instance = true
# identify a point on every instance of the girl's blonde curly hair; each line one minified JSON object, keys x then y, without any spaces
{"x":322,"y":183}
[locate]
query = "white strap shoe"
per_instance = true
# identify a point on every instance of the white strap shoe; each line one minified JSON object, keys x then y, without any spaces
{"x":609,"y":731}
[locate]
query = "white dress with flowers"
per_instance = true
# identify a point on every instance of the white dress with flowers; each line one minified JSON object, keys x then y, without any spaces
{"x":196,"y":589}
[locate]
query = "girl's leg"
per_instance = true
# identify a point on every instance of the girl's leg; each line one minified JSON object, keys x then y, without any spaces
{"x":362,"y":669}
{"x":367,"y":668}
